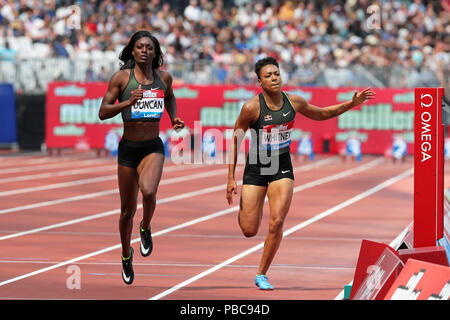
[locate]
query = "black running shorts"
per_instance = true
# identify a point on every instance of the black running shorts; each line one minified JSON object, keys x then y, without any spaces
{"x":131,"y":153}
{"x":262,"y":175}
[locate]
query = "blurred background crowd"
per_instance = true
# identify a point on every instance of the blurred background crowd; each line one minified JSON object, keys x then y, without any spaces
{"x":333,"y":43}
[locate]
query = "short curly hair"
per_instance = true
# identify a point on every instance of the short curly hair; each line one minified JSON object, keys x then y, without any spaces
{"x":263,"y":62}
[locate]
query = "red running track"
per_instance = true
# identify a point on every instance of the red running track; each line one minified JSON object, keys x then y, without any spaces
{"x":59,"y":216}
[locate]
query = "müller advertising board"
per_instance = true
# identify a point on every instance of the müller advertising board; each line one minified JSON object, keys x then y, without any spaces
{"x":72,"y":115}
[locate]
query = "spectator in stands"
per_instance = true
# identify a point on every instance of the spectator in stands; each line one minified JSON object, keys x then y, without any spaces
{"x":90,"y":76}
{"x":413,"y":35}
{"x":8,"y":9}
{"x":103,"y":75}
{"x":59,"y":50}
{"x":7,"y":53}
{"x":221,"y":73}
{"x":192,"y":11}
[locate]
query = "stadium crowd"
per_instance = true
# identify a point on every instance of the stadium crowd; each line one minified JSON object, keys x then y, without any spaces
{"x":385,"y":37}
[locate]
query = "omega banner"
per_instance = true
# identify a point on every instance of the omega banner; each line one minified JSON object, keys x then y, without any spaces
{"x":428,"y":167}
{"x":72,"y":115}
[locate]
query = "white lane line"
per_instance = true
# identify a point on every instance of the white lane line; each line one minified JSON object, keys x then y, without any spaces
{"x":52,"y":166}
{"x":159,"y":201}
{"x":24,"y":162}
{"x":180,"y":226}
{"x":182,"y":265}
{"x":112,"y":212}
{"x":58,"y":174}
{"x":163,"y":182}
{"x":78,"y":182}
{"x":110,"y":191}
{"x":394,"y":244}
{"x":63,"y":173}
{"x":58,"y":201}
{"x":57,"y":185}
{"x":287,"y":232}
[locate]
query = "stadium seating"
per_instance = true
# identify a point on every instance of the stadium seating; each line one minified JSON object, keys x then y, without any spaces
{"x":318,"y":43}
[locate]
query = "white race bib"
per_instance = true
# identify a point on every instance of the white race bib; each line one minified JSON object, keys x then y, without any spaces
{"x":275,"y":137}
{"x":150,"y":106}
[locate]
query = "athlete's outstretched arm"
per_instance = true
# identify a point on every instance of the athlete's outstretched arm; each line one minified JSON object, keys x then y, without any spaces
{"x":249,"y":114}
{"x":316,"y":113}
{"x":170,"y":102}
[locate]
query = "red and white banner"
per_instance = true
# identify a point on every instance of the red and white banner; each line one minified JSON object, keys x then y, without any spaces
{"x":377,"y":268}
{"x":428,"y":167}
{"x":421,"y":280}
{"x":72,"y":115}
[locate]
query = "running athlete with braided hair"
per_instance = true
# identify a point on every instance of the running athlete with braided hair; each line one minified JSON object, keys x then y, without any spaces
{"x":268,"y":170}
{"x":143,"y":91}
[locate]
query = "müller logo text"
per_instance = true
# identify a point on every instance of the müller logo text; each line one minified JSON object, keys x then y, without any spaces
{"x":426,"y":100}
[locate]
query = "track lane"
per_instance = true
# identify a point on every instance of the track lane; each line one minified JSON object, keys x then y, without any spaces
{"x":175,"y":258}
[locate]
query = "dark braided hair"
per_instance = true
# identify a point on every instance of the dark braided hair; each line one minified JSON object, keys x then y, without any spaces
{"x":126,"y":55}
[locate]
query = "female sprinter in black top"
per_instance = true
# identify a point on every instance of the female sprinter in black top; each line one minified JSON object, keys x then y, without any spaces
{"x":268,"y":171}
{"x":143,"y":92}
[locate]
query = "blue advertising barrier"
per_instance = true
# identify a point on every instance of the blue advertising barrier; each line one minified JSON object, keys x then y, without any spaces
{"x":8,"y":128}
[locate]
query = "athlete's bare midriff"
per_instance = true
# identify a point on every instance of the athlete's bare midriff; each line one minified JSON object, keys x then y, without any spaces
{"x":140,"y":131}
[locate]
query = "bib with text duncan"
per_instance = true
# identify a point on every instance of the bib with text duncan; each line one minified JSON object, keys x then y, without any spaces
{"x":150,"y":106}
{"x":275,"y":137}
